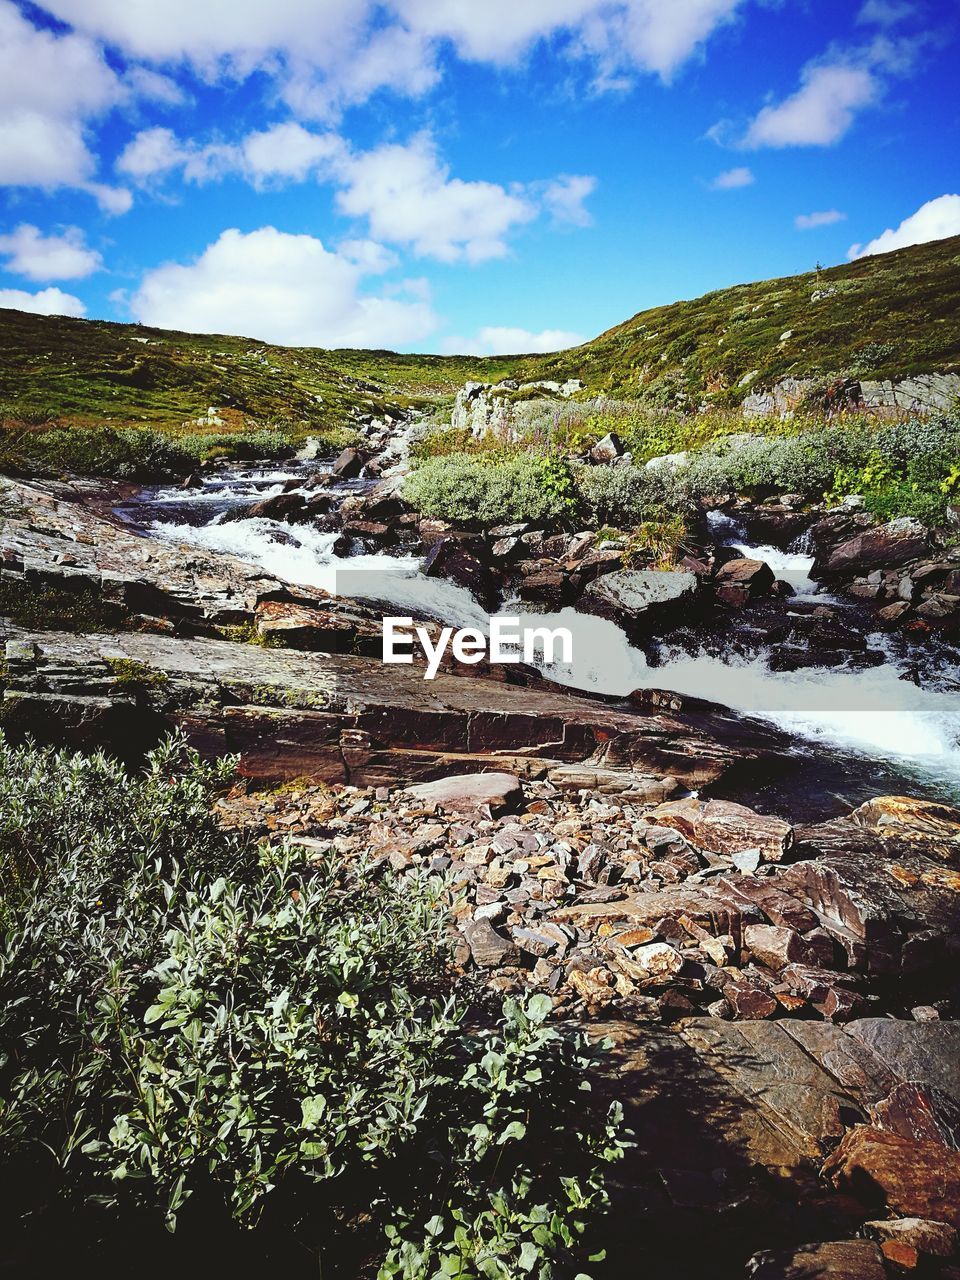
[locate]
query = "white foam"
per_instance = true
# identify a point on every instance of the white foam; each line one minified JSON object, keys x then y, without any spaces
{"x":871,"y":711}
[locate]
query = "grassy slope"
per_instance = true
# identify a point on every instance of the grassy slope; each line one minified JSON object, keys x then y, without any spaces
{"x":131,"y":374}
{"x":888,"y":316}
{"x":885,"y":316}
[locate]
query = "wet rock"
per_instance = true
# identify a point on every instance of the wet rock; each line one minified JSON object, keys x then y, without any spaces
{"x":724,"y":827}
{"x":449,"y":558}
{"x":281,"y":506}
{"x":742,"y":580}
{"x":472,"y":793}
{"x":348,"y":464}
{"x":909,"y":1178}
{"x":640,"y":600}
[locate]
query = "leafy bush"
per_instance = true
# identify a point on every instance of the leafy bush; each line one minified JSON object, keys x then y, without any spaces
{"x":194,"y":1030}
{"x":624,"y":496}
{"x":503,"y":489}
{"x":909,"y":468}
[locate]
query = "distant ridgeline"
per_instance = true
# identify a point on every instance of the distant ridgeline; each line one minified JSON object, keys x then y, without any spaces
{"x":884,"y":329}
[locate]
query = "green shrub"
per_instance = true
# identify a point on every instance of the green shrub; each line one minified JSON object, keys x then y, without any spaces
{"x":195,"y":1030}
{"x":503,"y":489}
{"x":624,"y":496}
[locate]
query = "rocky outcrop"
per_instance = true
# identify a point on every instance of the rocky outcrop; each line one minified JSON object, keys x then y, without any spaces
{"x":342,"y":718}
{"x":925,"y":393}
{"x":909,"y":1178}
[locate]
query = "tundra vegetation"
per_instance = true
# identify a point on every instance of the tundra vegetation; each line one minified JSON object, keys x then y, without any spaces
{"x":909,"y":467}
{"x":210,"y":1035}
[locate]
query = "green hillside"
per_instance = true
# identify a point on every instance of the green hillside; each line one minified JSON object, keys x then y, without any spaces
{"x":53,"y":367}
{"x":880,"y":317}
{"x":887,"y":316}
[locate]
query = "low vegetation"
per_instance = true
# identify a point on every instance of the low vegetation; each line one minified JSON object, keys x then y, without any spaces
{"x":198,"y":1032}
{"x":902,"y":468}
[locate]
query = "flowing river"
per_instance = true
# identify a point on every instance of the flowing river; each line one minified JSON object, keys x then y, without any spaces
{"x":877,"y":714}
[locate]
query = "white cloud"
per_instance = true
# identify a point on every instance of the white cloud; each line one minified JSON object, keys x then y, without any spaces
{"x":884,"y":13}
{"x":935,"y":220}
{"x":820,"y":112}
{"x":284,"y":152}
{"x":49,"y":86}
{"x":281,"y":288}
{"x":58,"y":257}
{"x":820,"y":218}
{"x":48,"y":302}
{"x":563,"y":198}
{"x":154,"y":86}
{"x":329,"y":55}
{"x":731,"y":179}
{"x":504,"y":340}
{"x":408,"y":198}
{"x":632,"y":35}
{"x":289,"y":151}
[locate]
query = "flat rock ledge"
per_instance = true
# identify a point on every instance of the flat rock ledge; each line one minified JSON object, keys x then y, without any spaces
{"x":347,"y":719}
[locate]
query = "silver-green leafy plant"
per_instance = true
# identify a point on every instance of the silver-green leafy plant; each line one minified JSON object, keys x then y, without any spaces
{"x":191,"y":1026}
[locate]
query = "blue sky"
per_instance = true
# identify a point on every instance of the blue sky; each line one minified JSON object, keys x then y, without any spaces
{"x":459,"y":175}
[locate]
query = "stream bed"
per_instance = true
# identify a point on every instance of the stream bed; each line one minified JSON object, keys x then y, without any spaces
{"x":891,"y":726}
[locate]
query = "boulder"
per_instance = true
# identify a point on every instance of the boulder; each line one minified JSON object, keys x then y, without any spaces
{"x":720,"y":826}
{"x":472,"y":793}
{"x":608,"y":449}
{"x":887,"y":547}
{"x":348,"y":464}
{"x":741,"y":580}
{"x":640,"y":600}
{"x":908,"y":1177}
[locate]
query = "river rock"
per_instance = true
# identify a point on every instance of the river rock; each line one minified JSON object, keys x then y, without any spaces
{"x":348,"y":464}
{"x":741,"y":580}
{"x":724,"y":827}
{"x":472,"y":793}
{"x":449,"y":558}
{"x":641,"y":600}
{"x":889,"y":546}
{"x":909,"y":1178}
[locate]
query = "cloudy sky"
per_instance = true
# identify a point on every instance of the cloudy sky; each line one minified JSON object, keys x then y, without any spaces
{"x":459,"y":175}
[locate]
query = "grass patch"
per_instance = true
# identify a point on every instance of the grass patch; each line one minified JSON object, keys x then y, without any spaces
{"x":39,"y":608}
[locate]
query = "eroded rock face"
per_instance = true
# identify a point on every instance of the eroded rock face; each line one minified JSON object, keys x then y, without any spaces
{"x":891,"y":545}
{"x":352,"y":719}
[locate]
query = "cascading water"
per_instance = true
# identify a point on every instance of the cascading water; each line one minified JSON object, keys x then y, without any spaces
{"x":875,"y":712}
